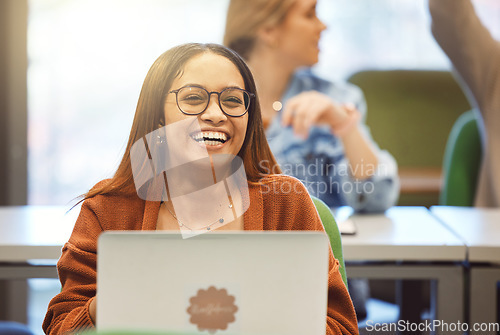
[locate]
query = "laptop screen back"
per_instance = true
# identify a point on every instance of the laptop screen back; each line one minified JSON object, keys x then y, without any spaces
{"x":223,"y":283}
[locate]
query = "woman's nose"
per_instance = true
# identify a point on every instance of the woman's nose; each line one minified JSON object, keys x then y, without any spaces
{"x":322,"y":25}
{"x":213,"y":113}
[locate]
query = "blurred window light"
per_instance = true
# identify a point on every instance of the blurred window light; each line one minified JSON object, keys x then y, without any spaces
{"x":385,"y":34}
{"x":88,"y":59}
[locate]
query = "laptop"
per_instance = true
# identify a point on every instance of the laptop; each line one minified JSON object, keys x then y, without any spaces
{"x":214,"y":283}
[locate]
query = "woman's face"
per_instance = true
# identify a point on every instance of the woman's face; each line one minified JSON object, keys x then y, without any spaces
{"x":212,"y":129}
{"x":297,"y":37}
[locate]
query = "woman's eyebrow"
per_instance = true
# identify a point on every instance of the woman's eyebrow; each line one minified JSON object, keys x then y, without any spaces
{"x":192,"y":85}
{"x":201,"y":86}
{"x":235,"y":86}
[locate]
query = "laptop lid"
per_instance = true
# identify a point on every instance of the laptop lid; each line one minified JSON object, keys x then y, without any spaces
{"x":220,"y":282}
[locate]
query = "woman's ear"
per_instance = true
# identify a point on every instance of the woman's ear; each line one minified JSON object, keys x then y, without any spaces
{"x":268,"y":35}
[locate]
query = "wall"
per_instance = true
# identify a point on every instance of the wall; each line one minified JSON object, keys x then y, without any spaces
{"x":13,"y":102}
{"x":13,"y":134}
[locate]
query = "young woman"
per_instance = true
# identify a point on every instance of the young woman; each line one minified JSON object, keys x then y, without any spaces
{"x":207,"y":73}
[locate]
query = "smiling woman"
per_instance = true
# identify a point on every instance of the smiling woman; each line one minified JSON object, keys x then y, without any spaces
{"x":218,"y":116}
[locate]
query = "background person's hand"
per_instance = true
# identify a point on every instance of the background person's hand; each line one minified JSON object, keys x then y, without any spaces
{"x":309,"y":109}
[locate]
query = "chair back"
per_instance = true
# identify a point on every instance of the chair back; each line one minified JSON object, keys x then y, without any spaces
{"x":14,"y":328}
{"x":400,"y":104}
{"x":410,"y":114}
{"x":333,"y":233}
{"x":462,"y":159}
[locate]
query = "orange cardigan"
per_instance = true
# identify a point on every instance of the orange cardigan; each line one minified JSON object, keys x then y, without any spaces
{"x":282,"y":203}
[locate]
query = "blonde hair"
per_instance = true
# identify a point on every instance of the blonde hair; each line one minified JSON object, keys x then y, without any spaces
{"x":246,"y":17}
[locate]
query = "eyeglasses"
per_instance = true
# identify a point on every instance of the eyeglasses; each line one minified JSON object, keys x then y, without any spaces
{"x":194,"y":100}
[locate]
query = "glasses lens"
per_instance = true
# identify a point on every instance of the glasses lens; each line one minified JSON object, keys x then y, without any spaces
{"x":192,"y":100}
{"x":234,"y":102}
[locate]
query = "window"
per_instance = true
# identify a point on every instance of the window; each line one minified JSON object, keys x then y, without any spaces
{"x":87,"y":62}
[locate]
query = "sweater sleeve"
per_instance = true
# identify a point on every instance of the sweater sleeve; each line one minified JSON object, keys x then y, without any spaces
{"x":341,"y":317}
{"x":469,"y":45}
{"x":69,"y":310}
{"x":293,"y":209}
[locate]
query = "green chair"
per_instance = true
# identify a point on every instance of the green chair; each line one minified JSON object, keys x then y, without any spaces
{"x":462,"y":159}
{"x":333,"y":232}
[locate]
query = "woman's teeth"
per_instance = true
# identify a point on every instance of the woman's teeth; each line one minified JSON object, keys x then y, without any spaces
{"x":210,"y":138}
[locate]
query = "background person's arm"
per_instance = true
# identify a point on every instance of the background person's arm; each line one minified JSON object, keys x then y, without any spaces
{"x":469,"y":45}
{"x":366,"y":177}
{"x":312,"y":108}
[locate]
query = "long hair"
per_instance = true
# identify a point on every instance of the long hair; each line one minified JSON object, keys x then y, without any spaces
{"x":245,"y":18}
{"x":149,"y":116}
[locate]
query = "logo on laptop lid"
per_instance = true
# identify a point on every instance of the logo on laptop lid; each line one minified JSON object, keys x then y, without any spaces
{"x":212,"y":309}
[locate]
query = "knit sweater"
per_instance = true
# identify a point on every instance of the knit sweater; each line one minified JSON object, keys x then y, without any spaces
{"x":476,"y":57}
{"x":281,"y":203}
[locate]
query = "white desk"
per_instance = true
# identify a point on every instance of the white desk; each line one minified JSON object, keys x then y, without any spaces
{"x":409,"y":243}
{"x":34,"y":232}
{"x":31,"y":238}
{"x":405,"y":243}
{"x":402,"y":234}
{"x":479,"y":228}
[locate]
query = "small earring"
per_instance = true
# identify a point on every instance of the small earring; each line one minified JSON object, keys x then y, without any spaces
{"x":160,"y":140}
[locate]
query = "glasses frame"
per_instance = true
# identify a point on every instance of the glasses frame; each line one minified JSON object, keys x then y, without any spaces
{"x":250,"y":95}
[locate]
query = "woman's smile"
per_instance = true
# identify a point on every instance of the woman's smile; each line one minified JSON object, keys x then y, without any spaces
{"x":210,"y":139}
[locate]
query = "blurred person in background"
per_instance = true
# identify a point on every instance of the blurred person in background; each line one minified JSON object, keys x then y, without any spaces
{"x":475,"y":55}
{"x":314,"y":127}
